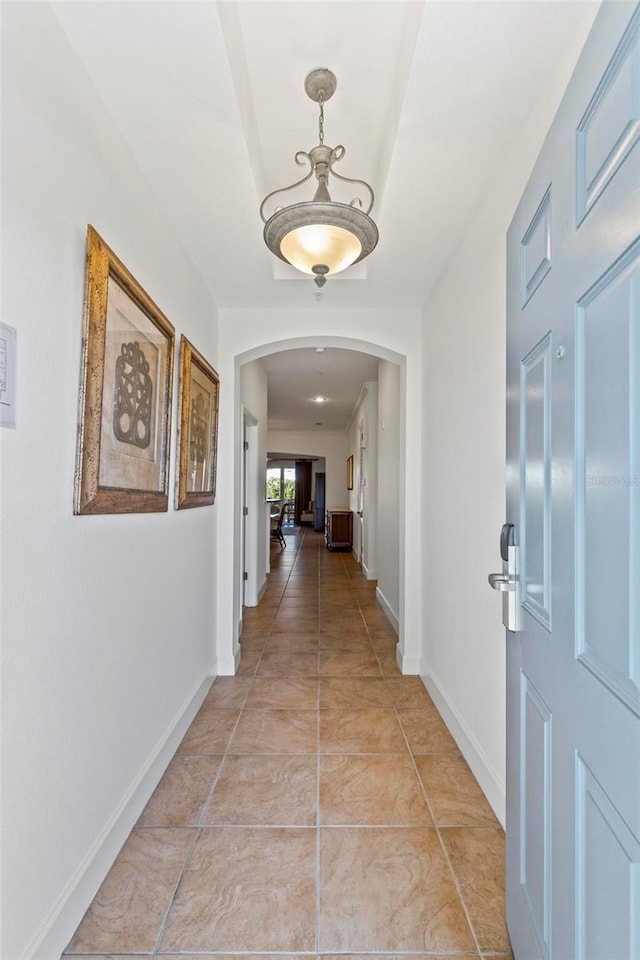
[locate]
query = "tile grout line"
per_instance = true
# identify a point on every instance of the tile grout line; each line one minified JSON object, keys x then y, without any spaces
{"x":317,"y":824}
{"x":437,"y":829}
{"x":318,"y":833}
{"x":424,"y":793}
{"x":199,"y":826}
{"x":278,"y":605}
{"x":338,"y":583}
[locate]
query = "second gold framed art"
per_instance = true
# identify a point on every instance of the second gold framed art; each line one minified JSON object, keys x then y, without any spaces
{"x":197,"y":429}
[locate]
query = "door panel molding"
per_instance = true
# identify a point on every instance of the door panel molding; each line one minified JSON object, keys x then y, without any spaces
{"x":535,"y":481}
{"x":573,"y":495}
{"x":608,"y":504}
{"x":535,"y":809}
{"x":535,"y":249}
{"x":610,"y":126}
{"x":607,"y":873}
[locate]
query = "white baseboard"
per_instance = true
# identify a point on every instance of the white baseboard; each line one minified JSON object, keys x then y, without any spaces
{"x":229,"y":663}
{"x":491,"y":784}
{"x":60,"y":924}
{"x":388,"y":609}
{"x":409,"y":666}
{"x":253,"y":597}
{"x":369,"y":574}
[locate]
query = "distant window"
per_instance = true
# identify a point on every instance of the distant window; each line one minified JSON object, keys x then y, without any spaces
{"x":289,"y":483}
{"x":281,"y":483}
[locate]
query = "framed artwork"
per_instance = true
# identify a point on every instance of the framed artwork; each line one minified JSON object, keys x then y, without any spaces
{"x":197,"y":429}
{"x":124,"y":423}
{"x":350,"y":473}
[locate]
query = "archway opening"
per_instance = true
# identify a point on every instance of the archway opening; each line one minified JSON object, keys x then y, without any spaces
{"x":374,"y":439}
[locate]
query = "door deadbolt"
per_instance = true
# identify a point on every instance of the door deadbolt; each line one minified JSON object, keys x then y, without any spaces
{"x":508,"y":582}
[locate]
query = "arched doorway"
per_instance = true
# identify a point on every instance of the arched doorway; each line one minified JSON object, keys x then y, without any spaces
{"x":229,"y":580}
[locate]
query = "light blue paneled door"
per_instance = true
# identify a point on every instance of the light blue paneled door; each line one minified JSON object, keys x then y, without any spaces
{"x":573,"y":495}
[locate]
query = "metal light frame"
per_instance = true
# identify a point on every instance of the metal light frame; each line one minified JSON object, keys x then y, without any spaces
{"x":320,"y":85}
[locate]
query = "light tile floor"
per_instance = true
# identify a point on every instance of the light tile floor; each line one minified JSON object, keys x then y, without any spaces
{"x":317,"y":806}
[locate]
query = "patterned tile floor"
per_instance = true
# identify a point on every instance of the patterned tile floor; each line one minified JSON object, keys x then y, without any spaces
{"x":317,"y":806}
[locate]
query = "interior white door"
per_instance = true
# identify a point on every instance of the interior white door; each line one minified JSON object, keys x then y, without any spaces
{"x":573,"y":495}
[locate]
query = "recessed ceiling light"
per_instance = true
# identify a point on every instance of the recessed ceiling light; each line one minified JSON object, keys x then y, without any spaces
{"x":319,"y":399}
{"x":319,"y":349}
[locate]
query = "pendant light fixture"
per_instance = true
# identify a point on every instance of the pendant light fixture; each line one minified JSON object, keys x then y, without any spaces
{"x":320,"y":237}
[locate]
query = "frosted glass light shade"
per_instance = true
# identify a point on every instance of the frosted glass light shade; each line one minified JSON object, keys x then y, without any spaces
{"x":333,"y":235}
{"x":320,"y":243}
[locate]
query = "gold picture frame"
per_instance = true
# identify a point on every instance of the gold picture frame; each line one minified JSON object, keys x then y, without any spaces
{"x":197,"y":429}
{"x":350,"y":472}
{"x":124,"y":420}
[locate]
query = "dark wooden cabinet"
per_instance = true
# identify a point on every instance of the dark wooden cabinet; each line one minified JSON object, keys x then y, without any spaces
{"x":339,"y":528}
{"x":319,"y":502}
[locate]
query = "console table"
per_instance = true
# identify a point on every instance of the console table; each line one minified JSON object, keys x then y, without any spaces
{"x":339,"y":528}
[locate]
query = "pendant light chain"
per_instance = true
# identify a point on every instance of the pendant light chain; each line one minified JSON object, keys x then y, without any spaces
{"x":321,"y":121}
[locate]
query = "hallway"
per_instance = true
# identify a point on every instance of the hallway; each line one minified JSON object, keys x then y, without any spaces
{"x":317,"y":804}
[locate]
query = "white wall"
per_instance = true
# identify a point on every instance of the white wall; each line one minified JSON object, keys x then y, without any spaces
{"x":464,"y":462}
{"x":377,"y":417}
{"x":107,"y":621}
{"x":352,"y":495}
{"x":253,"y":396}
{"x":394,"y":335}
{"x":390,"y":470}
{"x":328,"y":444}
{"x":364,"y":496}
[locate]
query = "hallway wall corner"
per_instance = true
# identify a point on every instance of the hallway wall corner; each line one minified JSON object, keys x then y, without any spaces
{"x":493,"y":786}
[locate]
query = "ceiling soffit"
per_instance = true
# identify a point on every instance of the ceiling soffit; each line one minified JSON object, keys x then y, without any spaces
{"x":273,"y":46}
{"x":209,"y":98}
